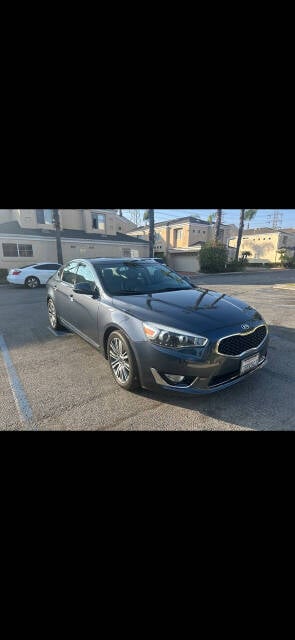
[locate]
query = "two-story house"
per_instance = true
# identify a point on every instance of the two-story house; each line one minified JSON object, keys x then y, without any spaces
{"x":179,"y":241}
{"x":28,"y":235}
{"x":264,"y":244}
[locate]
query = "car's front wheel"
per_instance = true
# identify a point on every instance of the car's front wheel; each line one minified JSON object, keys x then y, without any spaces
{"x":32,"y":282}
{"x":122,"y":361}
{"x":52,"y":315}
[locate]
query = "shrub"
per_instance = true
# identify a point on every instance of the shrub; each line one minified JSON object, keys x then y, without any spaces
{"x":236,"y":265}
{"x":3,"y":274}
{"x":213,"y":258}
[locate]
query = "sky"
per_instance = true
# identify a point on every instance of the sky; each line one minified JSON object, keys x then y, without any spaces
{"x":230,"y":216}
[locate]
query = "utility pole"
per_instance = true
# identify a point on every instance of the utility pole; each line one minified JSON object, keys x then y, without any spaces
{"x":151,"y":213}
{"x":275,"y":220}
{"x":56,"y":222}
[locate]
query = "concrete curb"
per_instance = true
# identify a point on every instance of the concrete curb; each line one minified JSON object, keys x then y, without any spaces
{"x":289,"y":287}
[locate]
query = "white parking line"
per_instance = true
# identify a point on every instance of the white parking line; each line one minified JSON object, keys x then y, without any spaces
{"x":20,"y":398}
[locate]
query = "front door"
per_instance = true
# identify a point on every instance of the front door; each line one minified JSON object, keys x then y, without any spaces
{"x":85,"y":309}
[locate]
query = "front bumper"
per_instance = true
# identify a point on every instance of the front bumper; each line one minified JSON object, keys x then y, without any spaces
{"x":205,"y":371}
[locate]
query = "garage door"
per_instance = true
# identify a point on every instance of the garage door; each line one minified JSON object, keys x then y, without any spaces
{"x":188,"y":262}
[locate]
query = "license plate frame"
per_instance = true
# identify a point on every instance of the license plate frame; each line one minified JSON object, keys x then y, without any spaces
{"x":249,"y":364}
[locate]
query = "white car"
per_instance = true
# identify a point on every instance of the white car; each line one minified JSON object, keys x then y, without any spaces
{"x":34,"y":275}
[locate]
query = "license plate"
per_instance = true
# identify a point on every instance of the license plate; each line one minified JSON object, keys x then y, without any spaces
{"x":249,"y":364}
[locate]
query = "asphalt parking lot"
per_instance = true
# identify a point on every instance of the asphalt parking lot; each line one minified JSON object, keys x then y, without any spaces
{"x":62,"y":383}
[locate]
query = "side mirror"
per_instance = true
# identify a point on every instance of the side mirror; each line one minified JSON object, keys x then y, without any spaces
{"x":84,"y":288}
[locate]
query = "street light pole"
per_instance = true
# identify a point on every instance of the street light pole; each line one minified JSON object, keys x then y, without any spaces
{"x":56,"y":222}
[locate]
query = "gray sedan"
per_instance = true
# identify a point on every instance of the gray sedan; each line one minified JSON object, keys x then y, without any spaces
{"x":155,"y":328}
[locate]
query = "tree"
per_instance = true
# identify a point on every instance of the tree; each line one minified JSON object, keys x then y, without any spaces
{"x":213,"y":257}
{"x":218,"y":220}
{"x":149,"y":216}
{"x":211,"y":218}
{"x":135,"y":216}
{"x":56,"y":222}
{"x":250,"y":213}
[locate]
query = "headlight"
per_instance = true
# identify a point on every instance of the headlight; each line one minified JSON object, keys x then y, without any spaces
{"x":172,"y":338}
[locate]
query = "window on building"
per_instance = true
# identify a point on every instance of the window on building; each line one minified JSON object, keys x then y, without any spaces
{"x":98,"y":221}
{"x":44,"y":216}
{"x":177,"y":236}
{"x":15,"y":250}
{"x":126,"y":253}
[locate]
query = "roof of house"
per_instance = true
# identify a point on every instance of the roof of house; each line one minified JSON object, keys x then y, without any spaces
{"x":13,"y":228}
{"x":255,"y":232}
{"x":165,"y":223}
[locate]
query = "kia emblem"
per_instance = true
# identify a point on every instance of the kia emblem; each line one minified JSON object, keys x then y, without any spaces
{"x":245,"y":327}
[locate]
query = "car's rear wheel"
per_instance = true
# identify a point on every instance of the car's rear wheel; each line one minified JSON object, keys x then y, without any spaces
{"x":32,"y":282}
{"x":122,"y":361}
{"x":52,"y":315}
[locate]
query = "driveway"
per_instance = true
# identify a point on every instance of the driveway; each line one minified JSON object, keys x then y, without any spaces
{"x":53,"y":383}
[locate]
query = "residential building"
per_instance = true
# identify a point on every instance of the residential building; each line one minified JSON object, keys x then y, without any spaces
{"x":264,"y":244}
{"x":179,"y":241}
{"x":28,"y":235}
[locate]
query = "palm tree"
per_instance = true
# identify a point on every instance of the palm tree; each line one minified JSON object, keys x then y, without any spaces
{"x":249,"y":215}
{"x":56,"y":222}
{"x":218,"y":217}
{"x":246,"y":214}
{"x":211,"y":218}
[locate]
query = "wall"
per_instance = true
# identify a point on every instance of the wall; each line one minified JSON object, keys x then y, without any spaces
{"x":45,"y":250}
{"x":263,"y":246}
{"x":114,"y":223}
{"x":6,"y":215}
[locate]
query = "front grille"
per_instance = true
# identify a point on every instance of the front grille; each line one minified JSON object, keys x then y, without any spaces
{"x":235,"y":345}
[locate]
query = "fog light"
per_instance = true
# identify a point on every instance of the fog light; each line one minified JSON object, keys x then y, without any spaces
{"x":175,"y":379}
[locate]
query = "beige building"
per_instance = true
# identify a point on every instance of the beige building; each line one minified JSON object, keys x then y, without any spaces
{"x":28,"y":235}
{"x":179,"y":241}
{"x":264,"y":244}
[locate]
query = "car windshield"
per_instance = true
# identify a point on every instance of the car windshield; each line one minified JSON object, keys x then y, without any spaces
{"x":137,"y":278}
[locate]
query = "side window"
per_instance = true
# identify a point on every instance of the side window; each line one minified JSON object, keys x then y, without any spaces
{"x":84,"y":274}
{"x":69,"y":273}
{"x":50,"y":267}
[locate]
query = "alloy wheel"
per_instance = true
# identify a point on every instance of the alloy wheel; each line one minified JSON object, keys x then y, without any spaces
{"x":32,"y":283}
{"x":119,"y":360}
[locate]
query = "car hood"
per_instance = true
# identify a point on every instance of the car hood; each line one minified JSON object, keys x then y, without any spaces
{"x":192,"y":310}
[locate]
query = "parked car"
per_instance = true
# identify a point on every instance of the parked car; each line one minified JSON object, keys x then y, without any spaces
{"x":34,"y":275}
{"x":156,"y":329}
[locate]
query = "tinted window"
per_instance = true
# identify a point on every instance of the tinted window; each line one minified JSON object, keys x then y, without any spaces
{"x":139,"y":277}
{"x":69,"y":273}
{"x":47,"y":267}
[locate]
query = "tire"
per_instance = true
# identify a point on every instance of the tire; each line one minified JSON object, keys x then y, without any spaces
{"x":52,"y":315}
{"x":122,"y":362}
{"x":32,"y":282}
